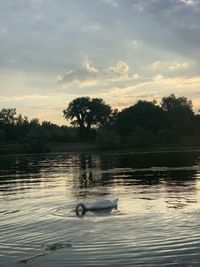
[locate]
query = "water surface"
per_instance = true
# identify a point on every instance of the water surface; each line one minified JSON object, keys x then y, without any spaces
{"x":157,"y":221}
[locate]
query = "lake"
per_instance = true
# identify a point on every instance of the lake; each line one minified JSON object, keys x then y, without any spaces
{"x":157,"y":222}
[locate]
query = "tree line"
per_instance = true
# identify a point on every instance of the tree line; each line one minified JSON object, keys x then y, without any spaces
{"x":32,"y":135}
{"x":146,"y":123}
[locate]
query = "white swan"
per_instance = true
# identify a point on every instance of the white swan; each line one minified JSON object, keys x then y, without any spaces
{"x":101,"y":204}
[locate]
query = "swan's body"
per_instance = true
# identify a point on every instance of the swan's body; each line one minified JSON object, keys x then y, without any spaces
{"x":98,"y":205}
{"x":103,"y":204}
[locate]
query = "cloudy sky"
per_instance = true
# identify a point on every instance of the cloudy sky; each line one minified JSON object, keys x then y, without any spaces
{"x":53,"y":51}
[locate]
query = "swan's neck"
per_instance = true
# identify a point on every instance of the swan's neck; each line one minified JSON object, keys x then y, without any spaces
{"x":82,"y":206}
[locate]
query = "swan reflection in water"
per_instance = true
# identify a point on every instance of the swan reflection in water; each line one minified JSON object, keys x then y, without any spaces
{"x":99,"y":207}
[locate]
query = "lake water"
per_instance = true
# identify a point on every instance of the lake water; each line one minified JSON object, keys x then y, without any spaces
{"x":157,"y":222}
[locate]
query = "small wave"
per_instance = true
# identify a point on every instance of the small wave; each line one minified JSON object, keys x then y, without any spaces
{"x":5,"y":212}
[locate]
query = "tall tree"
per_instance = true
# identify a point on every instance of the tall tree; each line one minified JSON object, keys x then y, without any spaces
{"x":143,"y":114}
{"x":7,"y":116}
{"x":179,"y":113}
{"x":85,"y":112}
{"x":176,"y":104}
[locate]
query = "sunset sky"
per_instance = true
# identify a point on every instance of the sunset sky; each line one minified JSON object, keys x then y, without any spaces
{"x":53,"y":51}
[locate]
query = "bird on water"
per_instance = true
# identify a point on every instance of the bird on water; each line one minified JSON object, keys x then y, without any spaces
{"x":98,"y":205}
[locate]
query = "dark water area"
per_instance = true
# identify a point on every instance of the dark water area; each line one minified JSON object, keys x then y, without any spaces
{"x":157,"y":222}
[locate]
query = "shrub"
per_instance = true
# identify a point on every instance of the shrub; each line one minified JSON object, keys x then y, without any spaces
{"x":107,"y":139}
{"x":141,"y":138}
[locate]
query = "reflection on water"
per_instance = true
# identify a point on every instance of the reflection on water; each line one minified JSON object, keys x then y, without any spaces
{"x":157,"y":221}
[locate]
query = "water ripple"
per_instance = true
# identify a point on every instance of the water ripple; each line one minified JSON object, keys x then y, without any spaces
{"x":157,"y":222}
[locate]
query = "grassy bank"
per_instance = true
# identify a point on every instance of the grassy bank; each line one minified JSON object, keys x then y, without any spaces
{"x":14,"y":148}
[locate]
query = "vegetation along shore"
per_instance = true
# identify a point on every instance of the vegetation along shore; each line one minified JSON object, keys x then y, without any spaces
{"x":96,"y":126}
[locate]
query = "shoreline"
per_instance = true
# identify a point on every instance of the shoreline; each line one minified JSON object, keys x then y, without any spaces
{"x":62,"y":148}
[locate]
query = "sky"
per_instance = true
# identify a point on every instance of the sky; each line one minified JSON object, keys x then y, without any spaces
{"x":52,"y":51}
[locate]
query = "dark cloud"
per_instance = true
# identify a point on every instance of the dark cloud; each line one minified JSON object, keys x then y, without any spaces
{"x":41,"y":34}
{"x":173,"y":24}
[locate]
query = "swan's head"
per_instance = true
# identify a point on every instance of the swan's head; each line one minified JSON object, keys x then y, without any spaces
{"x":81,"y":209}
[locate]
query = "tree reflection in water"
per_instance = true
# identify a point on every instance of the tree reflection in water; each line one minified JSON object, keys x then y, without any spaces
{"x":174,"y":172}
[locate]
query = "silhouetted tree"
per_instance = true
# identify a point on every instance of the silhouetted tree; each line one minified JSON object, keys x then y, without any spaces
{"x":33,"y":135}
{"x":7,"y":116}
{"x":197,"y":124}
{"x":143,"y":114}
{"x":85,"y":112}
{"x":173,"y":104}
{"x":179,"y":114}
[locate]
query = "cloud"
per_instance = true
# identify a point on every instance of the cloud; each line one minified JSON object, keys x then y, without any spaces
{"x":169,"y":66}
{"x":84,"y":74}
{"x":156,"y":64}
{"x":24,"y":97}
{"x":139,"y":7}
{"x":177,"y":66}
{"x":158,"y":77}
{"x":180,"y":82}
{"x":95,"y":27}
{"x":189,"y":2}
{"x":111,"y":2}
{"x":120,"y":68}
{"x":88,"y":75}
